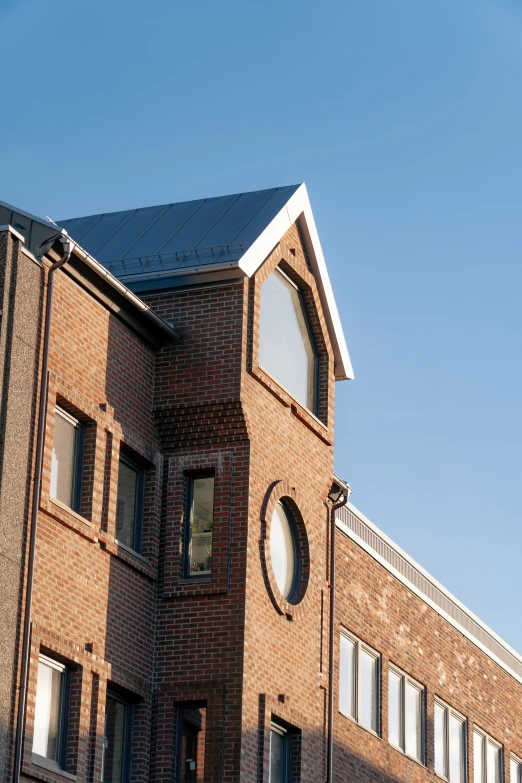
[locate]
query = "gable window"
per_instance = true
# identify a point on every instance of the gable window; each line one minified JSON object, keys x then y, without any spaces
{"x":129,"y":505}
{"x":359,"y":682}
{"x":286,"y":349}
{"x":450,"y":743}
{"x":117,"y":740}
{"x":67,"y":460}
{"x":199,"y":525}
{"x":406,"y":714}
{"x":487,"y":758}
{"x":51,"y":712}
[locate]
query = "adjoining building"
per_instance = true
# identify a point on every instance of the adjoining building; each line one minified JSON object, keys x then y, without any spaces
{"x":188,"y":594}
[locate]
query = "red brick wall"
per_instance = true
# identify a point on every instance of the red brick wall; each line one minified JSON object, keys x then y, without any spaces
{"x":203,"y":402}
{"x":382,"y":612}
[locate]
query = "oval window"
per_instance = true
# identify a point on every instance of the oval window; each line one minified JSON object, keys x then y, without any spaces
{"x":283,"y":551}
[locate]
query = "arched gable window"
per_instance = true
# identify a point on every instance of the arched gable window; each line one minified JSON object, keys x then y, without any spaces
{"x":286,"y":349}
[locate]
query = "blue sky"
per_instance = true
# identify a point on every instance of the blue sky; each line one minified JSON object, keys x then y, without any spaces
{"x":404,"y":117}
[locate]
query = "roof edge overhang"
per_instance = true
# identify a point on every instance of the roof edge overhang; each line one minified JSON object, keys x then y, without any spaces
{"x":298,"y":210}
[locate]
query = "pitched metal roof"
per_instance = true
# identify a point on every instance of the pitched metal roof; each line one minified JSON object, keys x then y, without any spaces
{"x":38,"y":234}
{"x":151,"y":241}
{"x":157,"y":248}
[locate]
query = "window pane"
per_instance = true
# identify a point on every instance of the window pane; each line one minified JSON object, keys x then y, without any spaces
{"x":285,"y":347}
{"x":457,"y":744}
{"x":347,"y":677}
{"x":126,"y":504}
{"x":62,"y":466}
{"x":478,"y":757}
{"x":395,"y":709}
{"x":279,"y":757}
{"x":368,"y":690}
{"x":493,"y":763}
{"x":413,"y":721}
{"x":514,"y":771}
{"x":192,"y":751}
{"x":201,"y":523}
{"x":440,"y":740}
{"x":114,"y":741}
{"x":47,"y":717}
{"x":282,"y":551}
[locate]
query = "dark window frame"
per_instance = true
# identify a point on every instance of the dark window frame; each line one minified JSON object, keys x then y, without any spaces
{"x":139,"y":501}
{"x":190,"y":477}
{"x":180,"y":708}
{"x":287,"y":734}
{"x":128,"y":726}
{"x":60,"y":763}
{"x":78,"y":459}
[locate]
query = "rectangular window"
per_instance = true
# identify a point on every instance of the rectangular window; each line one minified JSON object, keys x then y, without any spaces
{"x":117,"y":740}
{"x":191,"y":730}
{"x":200,"y":521}
{"x":67,"y":460}
{"x":515,"y":770}
{"x":129,"y":505}
{"x":51,"y":711}
{"x":487,"y":758}
{"x":359,"y":682}
{"x":450,"y":743}
{"x":406,"y":714}
{"x":280,"y":754}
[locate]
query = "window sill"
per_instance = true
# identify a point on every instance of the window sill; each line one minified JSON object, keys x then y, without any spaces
{"x":407,"y":756}
{"x":70,"y":511}
{"x":51,"y":766}
{"x":129,"y":556}
{"x":297,"y":409}
{"x":361,"y":725}
{"x":69,"y":518}
{"x":132,"y":552}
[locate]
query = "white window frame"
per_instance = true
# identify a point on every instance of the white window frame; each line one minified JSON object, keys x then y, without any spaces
{"x":77,"y":467}
{"x":60,"y":763}
{"x":515,"y":760}
{"x":360,"y":645}
{"x":488,"y":739}
{"x":405,"y":679}
{"x":450,"y":711}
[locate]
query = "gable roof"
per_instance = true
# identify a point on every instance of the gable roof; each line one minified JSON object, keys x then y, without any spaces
{"x":157,"y":248}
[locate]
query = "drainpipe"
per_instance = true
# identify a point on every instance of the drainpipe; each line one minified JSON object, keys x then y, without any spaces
{"x":339,"y":494}
{"x":44,"y":382}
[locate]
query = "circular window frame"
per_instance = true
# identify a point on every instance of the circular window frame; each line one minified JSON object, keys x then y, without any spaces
{"x":284,"y":493}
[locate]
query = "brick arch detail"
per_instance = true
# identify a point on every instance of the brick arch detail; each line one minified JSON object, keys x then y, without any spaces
{"x":285,"y":491}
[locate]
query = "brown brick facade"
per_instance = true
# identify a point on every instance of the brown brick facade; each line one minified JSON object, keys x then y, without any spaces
{"x":136,"y":623}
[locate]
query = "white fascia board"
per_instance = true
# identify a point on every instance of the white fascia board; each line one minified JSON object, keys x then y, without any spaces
{"x":298,"y":209}
{"x":12,"y":231}
{"x":435,"y":583}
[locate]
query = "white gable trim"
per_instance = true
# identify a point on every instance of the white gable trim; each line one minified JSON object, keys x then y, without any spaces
{"x":298,"y":209}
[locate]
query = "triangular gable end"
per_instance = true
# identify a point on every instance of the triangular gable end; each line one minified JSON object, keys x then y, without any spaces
{"x":298,"y":210}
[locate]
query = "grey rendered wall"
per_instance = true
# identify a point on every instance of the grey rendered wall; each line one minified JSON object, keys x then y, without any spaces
{"x":20,"y":303}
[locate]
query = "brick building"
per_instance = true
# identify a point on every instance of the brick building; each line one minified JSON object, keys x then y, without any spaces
{"x":167,"y":398}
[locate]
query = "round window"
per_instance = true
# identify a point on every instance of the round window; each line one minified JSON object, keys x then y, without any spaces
{"x":284,"y":552}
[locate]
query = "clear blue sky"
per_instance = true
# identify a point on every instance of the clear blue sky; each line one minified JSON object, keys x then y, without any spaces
{"x":404,"y":117}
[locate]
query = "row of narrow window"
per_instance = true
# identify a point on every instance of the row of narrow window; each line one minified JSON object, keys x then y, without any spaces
{"x":51,"y":721}
{"x":359,"y":689}
{"x":66,"y":486}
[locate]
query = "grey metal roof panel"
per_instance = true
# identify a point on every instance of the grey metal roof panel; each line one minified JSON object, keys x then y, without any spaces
{"x":37,"y":232}
{"x":190,"y":234}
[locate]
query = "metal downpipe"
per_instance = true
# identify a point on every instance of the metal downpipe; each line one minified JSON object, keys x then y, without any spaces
{"x":346,"y":491}
{"x":17,"y":762}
